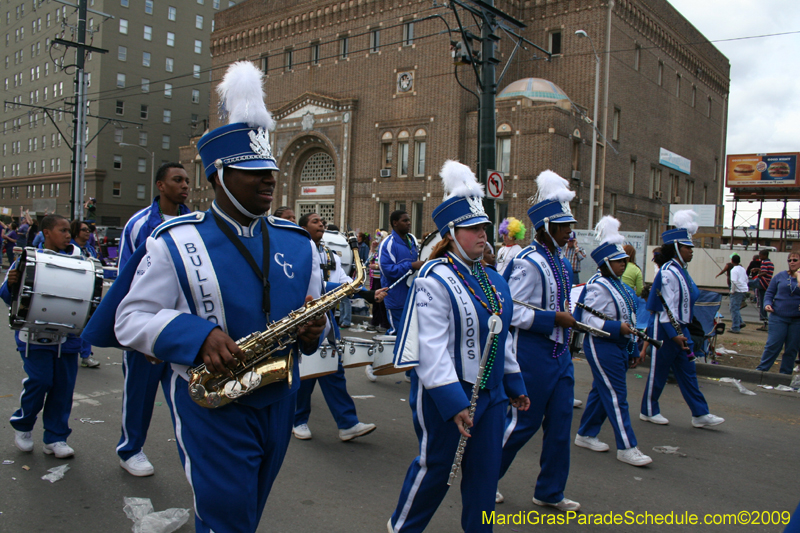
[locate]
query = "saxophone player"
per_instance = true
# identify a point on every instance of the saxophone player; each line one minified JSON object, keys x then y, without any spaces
{"x":205,"y":279}
{"x":445,"y":330}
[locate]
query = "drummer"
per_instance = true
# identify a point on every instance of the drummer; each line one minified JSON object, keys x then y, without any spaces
{"x":397,"y":256}
{"x":51,"y":369}
{"x":334,"y":386}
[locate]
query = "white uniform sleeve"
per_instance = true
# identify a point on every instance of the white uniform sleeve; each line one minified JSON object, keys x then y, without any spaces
{"x":598,"y":299}
{"x":670,"y":290}
{"x":523,"y":288}
{"x":436,"y":335}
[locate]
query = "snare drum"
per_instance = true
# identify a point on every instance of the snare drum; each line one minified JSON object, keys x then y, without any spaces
{"x":356,"y":352}
{"x":320,"y":363}
{"x":428,"y":244}
{"x":57,"y":294}
{"x":384,"y":356}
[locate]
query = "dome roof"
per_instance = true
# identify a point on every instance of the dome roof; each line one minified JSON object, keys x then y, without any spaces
{"x":536,"y":89}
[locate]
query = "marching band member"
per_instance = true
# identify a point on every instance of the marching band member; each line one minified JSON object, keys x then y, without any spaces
{"x":51,"y":369}
{"x":680,"y":294}
{"x":334,"y":386}
{"x":205,"y":279}
{"x":608,"y":358}
{"x":512,"y":231}
{"x":444,"y":333}
{"x":397,"y":254}
{"x":80,"y":239}
{"x":141,"y":375}
{"x":540,"y":276}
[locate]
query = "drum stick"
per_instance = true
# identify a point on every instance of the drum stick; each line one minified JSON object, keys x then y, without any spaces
{"x":401,"y":278}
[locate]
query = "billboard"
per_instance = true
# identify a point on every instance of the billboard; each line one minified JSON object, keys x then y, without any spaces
{"x":706,"y":214}
{"x":791,"y":224}
{"x":761,"y":170}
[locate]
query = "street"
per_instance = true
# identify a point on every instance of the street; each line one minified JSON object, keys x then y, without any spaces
{"x":749,"y":463}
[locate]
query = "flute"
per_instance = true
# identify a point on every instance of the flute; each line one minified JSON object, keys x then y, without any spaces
{"x":495,"y":327}
{"x":655,"y":342}
{"x":674,"y":322}
{"x":580,"y":326}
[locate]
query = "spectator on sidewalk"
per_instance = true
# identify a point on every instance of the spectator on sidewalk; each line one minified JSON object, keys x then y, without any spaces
{"x":764,"y":277}
{"x":752,"y":273}
{"x":782,"y":301}
{"x":574,"y":254}
{"x":632,"y":276}
{"x":9,"y":241}
{"x":739,"y":291}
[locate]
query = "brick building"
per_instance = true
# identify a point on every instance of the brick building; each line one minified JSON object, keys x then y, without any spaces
{"x":368,"y":107}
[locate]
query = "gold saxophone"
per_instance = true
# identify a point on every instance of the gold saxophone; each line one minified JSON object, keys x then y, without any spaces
{"x":261,"y":367}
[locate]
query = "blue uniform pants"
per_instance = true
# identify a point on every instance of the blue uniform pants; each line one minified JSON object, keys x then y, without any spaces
{"x":231,"y":457}
{"x":395,"y":320}
{"x":670,"y":356}
{"x":609,"y":395}
{"x":334,"y":388}
{"x":425,"y":485}
{"x":141,"y":379}
{"x":550,"y":383}
{"x":49,"y":386}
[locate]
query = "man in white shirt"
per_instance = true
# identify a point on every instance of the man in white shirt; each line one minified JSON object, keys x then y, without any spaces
{"x":738,"y":293}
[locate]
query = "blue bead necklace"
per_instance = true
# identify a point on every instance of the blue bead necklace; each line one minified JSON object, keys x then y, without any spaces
{"x":630,"y":304}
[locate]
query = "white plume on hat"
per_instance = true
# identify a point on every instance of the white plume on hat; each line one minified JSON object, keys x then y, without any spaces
{"x":607,"y":231}
{"x":685,"y":220}
{"x":551,"y":186}
{"x":459,"y":180}
{"x":241,"y":96}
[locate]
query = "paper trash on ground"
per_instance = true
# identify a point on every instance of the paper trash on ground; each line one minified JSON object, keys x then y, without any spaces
{"x":56,"y":473}
{"x":140,"y":510}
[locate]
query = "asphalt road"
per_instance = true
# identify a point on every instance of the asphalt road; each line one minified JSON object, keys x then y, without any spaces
{"x":747,"y":464}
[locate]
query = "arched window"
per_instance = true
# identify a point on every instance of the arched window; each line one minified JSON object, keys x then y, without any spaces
{"x":318,"y":167}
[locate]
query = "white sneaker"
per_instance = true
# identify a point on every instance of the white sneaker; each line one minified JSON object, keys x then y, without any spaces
{"x":634,"y":457}
{"x":707,"y":420}
{"x":408,"y":378}
{"x":796,"y":368}
{"x":90,"y":362}
{"x":370,"y":375}
{"x":61,"y":449}
{"x":591,"y":443}
{"x":576,"y":403}
{"x":498,"y":498}
{"x":301,"y":432}
{"x":655,"y":419}
{"x":389,"y":527}
{"x":564,"y":505}
{"x":138,"y":465}
{"x":23,"y":440}
{"x":359,"y":430}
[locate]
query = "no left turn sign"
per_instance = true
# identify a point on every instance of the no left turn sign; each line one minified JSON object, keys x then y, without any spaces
{"x":495,"y":185}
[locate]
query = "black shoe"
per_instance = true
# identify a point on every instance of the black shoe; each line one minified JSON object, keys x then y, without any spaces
{"x":744,"y":304}
{"x":743,"y":326}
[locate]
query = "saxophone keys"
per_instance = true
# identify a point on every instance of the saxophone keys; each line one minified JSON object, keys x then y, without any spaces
{"x":233,"y":389}
{"x":249,"y":354}
{"x":213,"y":400}
{"x":197,"y":392}
{"x":251,"y":380}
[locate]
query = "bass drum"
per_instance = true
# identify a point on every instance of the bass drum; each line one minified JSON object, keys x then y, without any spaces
{"x":337,"y":243}
{"x":428,"y":244}
{"x":320,"y":363}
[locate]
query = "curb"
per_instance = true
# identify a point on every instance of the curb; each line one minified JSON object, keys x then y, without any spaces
{"x":746,"y":375}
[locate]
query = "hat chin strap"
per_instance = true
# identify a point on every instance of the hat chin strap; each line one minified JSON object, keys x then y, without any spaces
{"x":458,"y":245}
{"x":611,"y":270}
{"x":239,"y":207}
{"x":678,"y":255}
{"x":547,"y":230}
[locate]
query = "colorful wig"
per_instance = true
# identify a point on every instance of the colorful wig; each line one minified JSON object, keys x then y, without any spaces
{"x":513,"y":228}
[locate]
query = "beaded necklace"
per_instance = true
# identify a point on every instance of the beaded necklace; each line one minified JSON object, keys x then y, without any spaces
{"x":161,"y":214}
{"x":562,"y":293}
{"x":494,"y":307}
{"x":629,"y":303}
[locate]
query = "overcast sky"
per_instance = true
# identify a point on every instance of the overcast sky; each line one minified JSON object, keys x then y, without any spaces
{"x":764,"y":110}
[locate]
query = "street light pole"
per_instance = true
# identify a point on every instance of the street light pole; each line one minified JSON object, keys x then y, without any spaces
{"x":152,"y":166}
{"x":582,"y":33}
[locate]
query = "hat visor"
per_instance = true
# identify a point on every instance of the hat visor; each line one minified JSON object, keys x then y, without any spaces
{"x":563,"y":219}
{"x":474,"y":221}
{"x":686,"y":243}
{"x":618,"y":256}
{"x":255,"y":164}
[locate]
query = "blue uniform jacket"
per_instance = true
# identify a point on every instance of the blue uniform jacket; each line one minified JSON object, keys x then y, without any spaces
{"x":395,"y":257}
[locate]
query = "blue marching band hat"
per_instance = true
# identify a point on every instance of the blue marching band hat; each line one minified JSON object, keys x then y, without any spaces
{"x":552,"y":201}
{"x":610,"y":249}
{"x":463,"y":204}
{"x":685,"y":227}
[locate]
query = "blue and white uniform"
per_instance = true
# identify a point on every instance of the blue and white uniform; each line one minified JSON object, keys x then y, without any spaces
{"x":542,"y":350}
{"x":140,"y":377}
{"x":680,"y":292}
{"x":608,"y":358}
{"x":395,"y":256}
{"x":51,"y":372}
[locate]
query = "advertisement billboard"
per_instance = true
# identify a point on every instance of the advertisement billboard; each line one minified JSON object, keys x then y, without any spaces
{"x":761,"y":170}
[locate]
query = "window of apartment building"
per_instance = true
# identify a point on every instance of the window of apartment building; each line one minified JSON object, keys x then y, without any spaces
{"x":194,"y":116}
{"x":118,"y":132}
{"x":119,"y":109}
{"x":116,"y":189}
{"x":374,"y":41}
{"x":613,"y":206}
{"x":416,"y":218}
{"x":265,"y":64}
{"x":655,"y":181}
{"x":632,"y":175}
{"x":140,"y":191}
{"x":195,"y":96}
{"x":196,"y":71}
{"x":215,"y":4}
{"x":288,"y":59}
{"x":145,"y":85}
{"x":167,"y":90}
{"x":386,"y":150}
{"x":170,"y":39}
{"x":123,"y":3}
{"x":117,"y":162}
{"x":689,"y":191}
{"x":142,"y":138}
{"x":123,"y":26}
{"x":678,"y":85}
{"x":165,"y":142}
{"x":420,"y":148}
{"x":554,"y":42}
{"x":198,"y":22}
{"x":314,"y":53}
{"x":503,"y":157}
{"x":148,"y":7}
{"x":716,"y":169}
{"x":705,"y":194}
{"x":408,"y":34}
{"x":122,"y":53}
{"x":169,"y":65}
{"x":708,"y":111}
{"x":402,"y":154}
{"x":167,"y":116}
{"x":615,"y":124}
{"x":172,"y":13}
{"x":198,"y":46}
{"x":344,"y":47}
{"x":143,"y":112}
{"x":47,"y":20}
{"x":121,"y":81}
{"x":201,"y":2}
{"x":661,"y":73}
{"x":694,"y":96}
{"x":145,"y":59}
{"x":675,"y":188}
{"x":141,"y":165}
{"x":148,"y":33}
